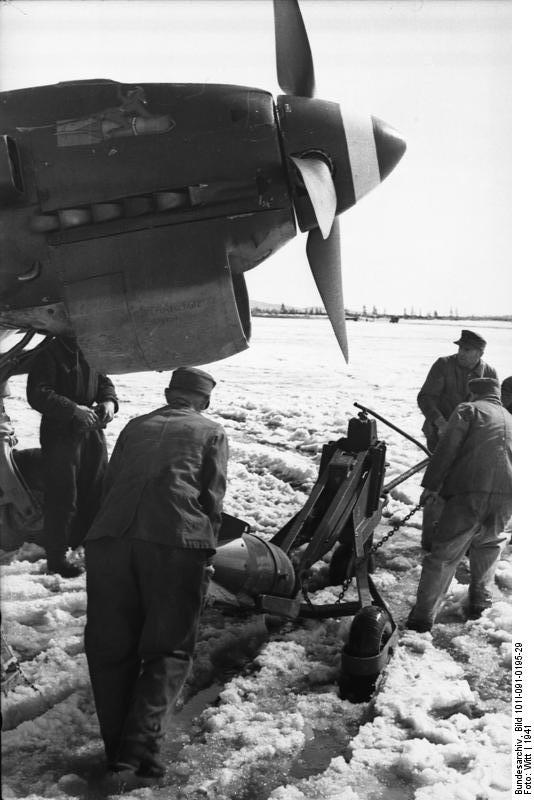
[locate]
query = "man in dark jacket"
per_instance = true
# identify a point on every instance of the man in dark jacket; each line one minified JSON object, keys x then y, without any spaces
{"x":147,"y":569}
{"x":471,"y":469}
{"x":444,"y":388}
{"x":506,"y":393}
{"x":446,"y":384}
{"x":76,"y":402}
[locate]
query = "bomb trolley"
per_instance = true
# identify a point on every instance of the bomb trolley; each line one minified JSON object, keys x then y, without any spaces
{"x":272,"y":577}
{"x":345,"y":506}
{"x":342,"y":510}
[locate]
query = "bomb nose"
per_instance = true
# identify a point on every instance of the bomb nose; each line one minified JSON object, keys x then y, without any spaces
{"x":390,"y":146}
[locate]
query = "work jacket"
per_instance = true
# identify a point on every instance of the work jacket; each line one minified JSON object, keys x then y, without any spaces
{"x":60,"y":379}
{"x":166,"y":480}
{"x":446,"y":386}
{"x":474,"y":453}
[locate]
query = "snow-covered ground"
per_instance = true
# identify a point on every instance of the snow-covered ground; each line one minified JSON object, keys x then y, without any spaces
{"x":263,"y":720}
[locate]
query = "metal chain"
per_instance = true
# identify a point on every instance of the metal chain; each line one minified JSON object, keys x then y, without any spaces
{"x":305,"y":593}
{"x":394,"y":528}
{"x":346,"y":583}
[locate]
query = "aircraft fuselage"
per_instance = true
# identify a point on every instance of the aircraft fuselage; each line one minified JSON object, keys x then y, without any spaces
{"x":129,"y":213}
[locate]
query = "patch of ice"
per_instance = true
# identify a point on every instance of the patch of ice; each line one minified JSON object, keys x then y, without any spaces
{"x":232,"y":412}
{"x":503,"y":574}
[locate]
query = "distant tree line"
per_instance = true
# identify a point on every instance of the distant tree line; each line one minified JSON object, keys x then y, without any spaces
{"x":312,"y":311}
{"x":282,"y":309}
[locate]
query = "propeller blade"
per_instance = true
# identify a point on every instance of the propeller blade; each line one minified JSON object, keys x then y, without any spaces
{"x":321,"y":190}
{"x":294,"y":63}
{"x":325,"y":262}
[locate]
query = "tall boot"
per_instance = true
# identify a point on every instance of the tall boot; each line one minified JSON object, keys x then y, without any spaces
{"x":155,"y":694}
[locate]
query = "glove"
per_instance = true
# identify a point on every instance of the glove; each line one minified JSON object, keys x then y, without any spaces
{"x":440,"y":424}
{"x":85,"y":417}
{"x":105,"y":411}
{"x":428,"y":496}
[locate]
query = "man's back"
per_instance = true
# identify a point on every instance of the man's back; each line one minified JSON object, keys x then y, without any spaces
{"x":166,"y":480}
{"x":475,"y":452}
{"x":471,"y":469}
{"x":147,"y":571}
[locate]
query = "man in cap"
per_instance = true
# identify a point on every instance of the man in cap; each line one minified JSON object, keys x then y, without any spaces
{"x":506,"y":400}
{"x":446,"y":386}
{"x":76,"y":403}
{"x":506,"y":393}
{"x":147,"y":570}
{"x":471,"y":469}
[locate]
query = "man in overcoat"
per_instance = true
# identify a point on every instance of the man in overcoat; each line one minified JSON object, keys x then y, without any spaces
{"x":147,"y":562}
{"x":76,"y":403}
{"x":445,"y":386}
{"x":506,"y":393}
{"x":471,"y":469}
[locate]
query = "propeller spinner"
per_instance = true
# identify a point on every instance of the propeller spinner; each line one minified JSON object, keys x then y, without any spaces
{"x":335,"y":158}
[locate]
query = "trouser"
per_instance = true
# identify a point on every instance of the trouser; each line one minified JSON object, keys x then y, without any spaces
{"x":433,"y":508}
{"x":474,"y":522}
{"x":432,"y":511}
{"x":143,"y":609}
{"x":73,"y":474}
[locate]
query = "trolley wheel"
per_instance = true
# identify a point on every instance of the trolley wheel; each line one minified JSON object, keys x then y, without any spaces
{"x":30,"y":464}
{"x":338,"y":568}
{"x":370,"y":630}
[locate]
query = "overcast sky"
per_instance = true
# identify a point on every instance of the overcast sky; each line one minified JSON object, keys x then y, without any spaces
{"x":437,"y":234}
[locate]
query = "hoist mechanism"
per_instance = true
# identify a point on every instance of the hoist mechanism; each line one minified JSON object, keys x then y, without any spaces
{"x":272,"y":577}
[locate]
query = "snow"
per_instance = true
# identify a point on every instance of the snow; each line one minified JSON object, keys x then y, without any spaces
{"x":262,"y":718}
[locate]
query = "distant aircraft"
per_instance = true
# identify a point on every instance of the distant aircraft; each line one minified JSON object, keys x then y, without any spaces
{"x":130,"y":213}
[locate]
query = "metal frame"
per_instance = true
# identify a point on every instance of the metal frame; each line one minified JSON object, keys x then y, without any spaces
{"x":345,"y":501}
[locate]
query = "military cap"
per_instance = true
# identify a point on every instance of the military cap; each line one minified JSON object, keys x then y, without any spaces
{"x":471,"y":339}
{"x":192,"y":379}
{"x":484,"y":386}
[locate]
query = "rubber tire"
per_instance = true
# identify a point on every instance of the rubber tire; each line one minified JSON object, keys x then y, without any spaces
{"x":370,"y":630}
{"x":30,"y":464}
